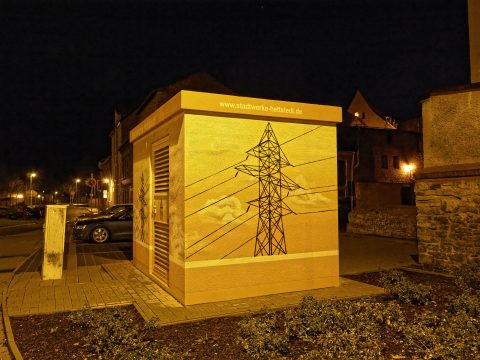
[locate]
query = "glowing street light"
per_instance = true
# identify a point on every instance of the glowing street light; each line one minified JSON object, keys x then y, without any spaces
{"x":31,"y":175}
{"x":76,"y":190}
{"x":408,"y":169}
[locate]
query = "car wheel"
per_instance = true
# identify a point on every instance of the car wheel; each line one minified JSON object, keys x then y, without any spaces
{"x":100,"y":235}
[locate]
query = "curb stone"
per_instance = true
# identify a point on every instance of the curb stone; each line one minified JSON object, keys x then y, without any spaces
{"x":12,"y":345}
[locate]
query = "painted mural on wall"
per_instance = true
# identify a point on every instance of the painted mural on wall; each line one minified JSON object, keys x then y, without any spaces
{"x":270,"y":237}
{"x":237,"y":206}
{"x":141,"y":217}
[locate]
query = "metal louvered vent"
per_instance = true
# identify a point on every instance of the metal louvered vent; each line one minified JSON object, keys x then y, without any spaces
{"x":160,"y":162}
{"x":160,"y":266}
{"x":160,"y":260}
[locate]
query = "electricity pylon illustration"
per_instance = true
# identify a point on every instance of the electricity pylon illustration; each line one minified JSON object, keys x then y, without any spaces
{"x":270,"y":238}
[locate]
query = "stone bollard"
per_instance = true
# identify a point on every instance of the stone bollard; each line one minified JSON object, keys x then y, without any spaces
{"x":53,"y":249}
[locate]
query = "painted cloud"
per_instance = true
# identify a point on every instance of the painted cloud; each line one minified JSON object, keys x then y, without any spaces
{"x":225,"y":210}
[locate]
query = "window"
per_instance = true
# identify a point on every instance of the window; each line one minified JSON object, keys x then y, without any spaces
{"x":341,"y":172}
{"x":389,"y":137}
{"x":396,"y":162}
{"x":127,"y":167}
{"x":384,"y":162}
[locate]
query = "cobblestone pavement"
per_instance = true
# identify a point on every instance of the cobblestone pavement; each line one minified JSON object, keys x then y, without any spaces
{"x":121,"y":283}
{"x":95,"y":278}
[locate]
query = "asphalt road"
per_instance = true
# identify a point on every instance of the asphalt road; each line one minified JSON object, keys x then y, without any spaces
{"x":17,"y":241}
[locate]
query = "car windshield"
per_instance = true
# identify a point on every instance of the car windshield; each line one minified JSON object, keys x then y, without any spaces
{"x":114,"y":210}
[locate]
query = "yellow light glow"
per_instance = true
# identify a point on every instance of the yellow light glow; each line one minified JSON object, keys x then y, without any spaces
{"x":357,"y":114}
{"x":19,"y":196}
{"x":56,"y":192}
{"x":106,"y":181}
{"x":77,"y":180}
{"x":38,"y":196}
{"x":408,"y":168}
{"x":32,"y":175}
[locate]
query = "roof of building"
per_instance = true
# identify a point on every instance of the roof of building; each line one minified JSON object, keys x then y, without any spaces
{"x":361,"y":113}
{"x":200,"y":81}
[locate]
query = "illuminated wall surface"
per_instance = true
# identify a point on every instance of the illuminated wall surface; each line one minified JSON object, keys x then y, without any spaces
{"x":450,"y":121}
{"x":474,"y":38}
{"x":252,"y":200}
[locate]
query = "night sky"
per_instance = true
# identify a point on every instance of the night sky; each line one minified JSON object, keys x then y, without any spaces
{"x":64,"y":65}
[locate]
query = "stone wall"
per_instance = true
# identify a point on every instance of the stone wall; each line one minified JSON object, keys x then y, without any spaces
{"x":448,"y":221}
{"x":450,"y":125}
{"x":398,"y":222}
{"x":375,"y":195}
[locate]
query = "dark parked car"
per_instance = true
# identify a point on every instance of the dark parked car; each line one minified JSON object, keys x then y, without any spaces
{"x":108,"y":211}
{"x":24,"y":212}
{"x":101,"y":228}
{"x":4,"y":211}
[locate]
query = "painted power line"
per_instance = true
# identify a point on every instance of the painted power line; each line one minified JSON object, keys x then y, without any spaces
{"x":270,"y":237}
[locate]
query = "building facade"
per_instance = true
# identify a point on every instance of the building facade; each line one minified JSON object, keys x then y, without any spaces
{"x":235,"y":197}
{"x":377,"y":162}
{"x":121,"y":148}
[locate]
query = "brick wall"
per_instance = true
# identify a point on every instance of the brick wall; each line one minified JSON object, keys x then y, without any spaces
{"x":448,"y":221}
{"x":398,"y":222}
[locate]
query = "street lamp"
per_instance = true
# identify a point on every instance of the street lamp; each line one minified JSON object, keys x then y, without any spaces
{"x":408,"y":169}
{"x":76,"y":189}
{"x":31,"y":175}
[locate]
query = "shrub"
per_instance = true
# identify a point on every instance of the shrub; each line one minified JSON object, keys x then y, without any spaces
{"x":110,"y":331}
{"x":343,"y":329}
{"x":260,"y":338}
{"x":405,"y":291}
{"x":444,"y":336}
{"x":114,"y":335}
{"x":151,"y":353}
{"x":468,"y":276}
{"x":468,"y":302}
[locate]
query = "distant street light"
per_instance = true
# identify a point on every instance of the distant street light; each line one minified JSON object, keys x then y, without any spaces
{"x":76,"y":190}
{"x":408,"y":169}
{"x":31,"y":175}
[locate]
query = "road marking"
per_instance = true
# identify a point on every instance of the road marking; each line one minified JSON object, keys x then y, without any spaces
{"x":12,"y":226}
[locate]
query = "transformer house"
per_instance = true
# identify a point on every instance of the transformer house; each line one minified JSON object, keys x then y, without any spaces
{"x":236,"y":197}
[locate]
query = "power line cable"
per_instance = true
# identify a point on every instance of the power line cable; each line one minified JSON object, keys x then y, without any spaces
{"x":221,"y":227}
{"x":229,"y":231}
{"x":213,"y":187}
{"x":313,"y":192}
{"x":245,"y":243}
{"x":314,"y":161}
{"x":215,"y":202}
{"x":313,"y":212}
{"x":240,"y":162}
{"x":319,"y":187}
{"x":296,"y":137}
{"x":218,"y":172}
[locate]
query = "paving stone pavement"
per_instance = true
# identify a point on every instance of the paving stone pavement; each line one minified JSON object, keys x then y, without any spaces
{"x":4,"y":352}
{"x":121,"y":283}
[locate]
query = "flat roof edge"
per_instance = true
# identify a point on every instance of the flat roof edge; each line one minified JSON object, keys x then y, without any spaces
{"x":235,"y":106}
